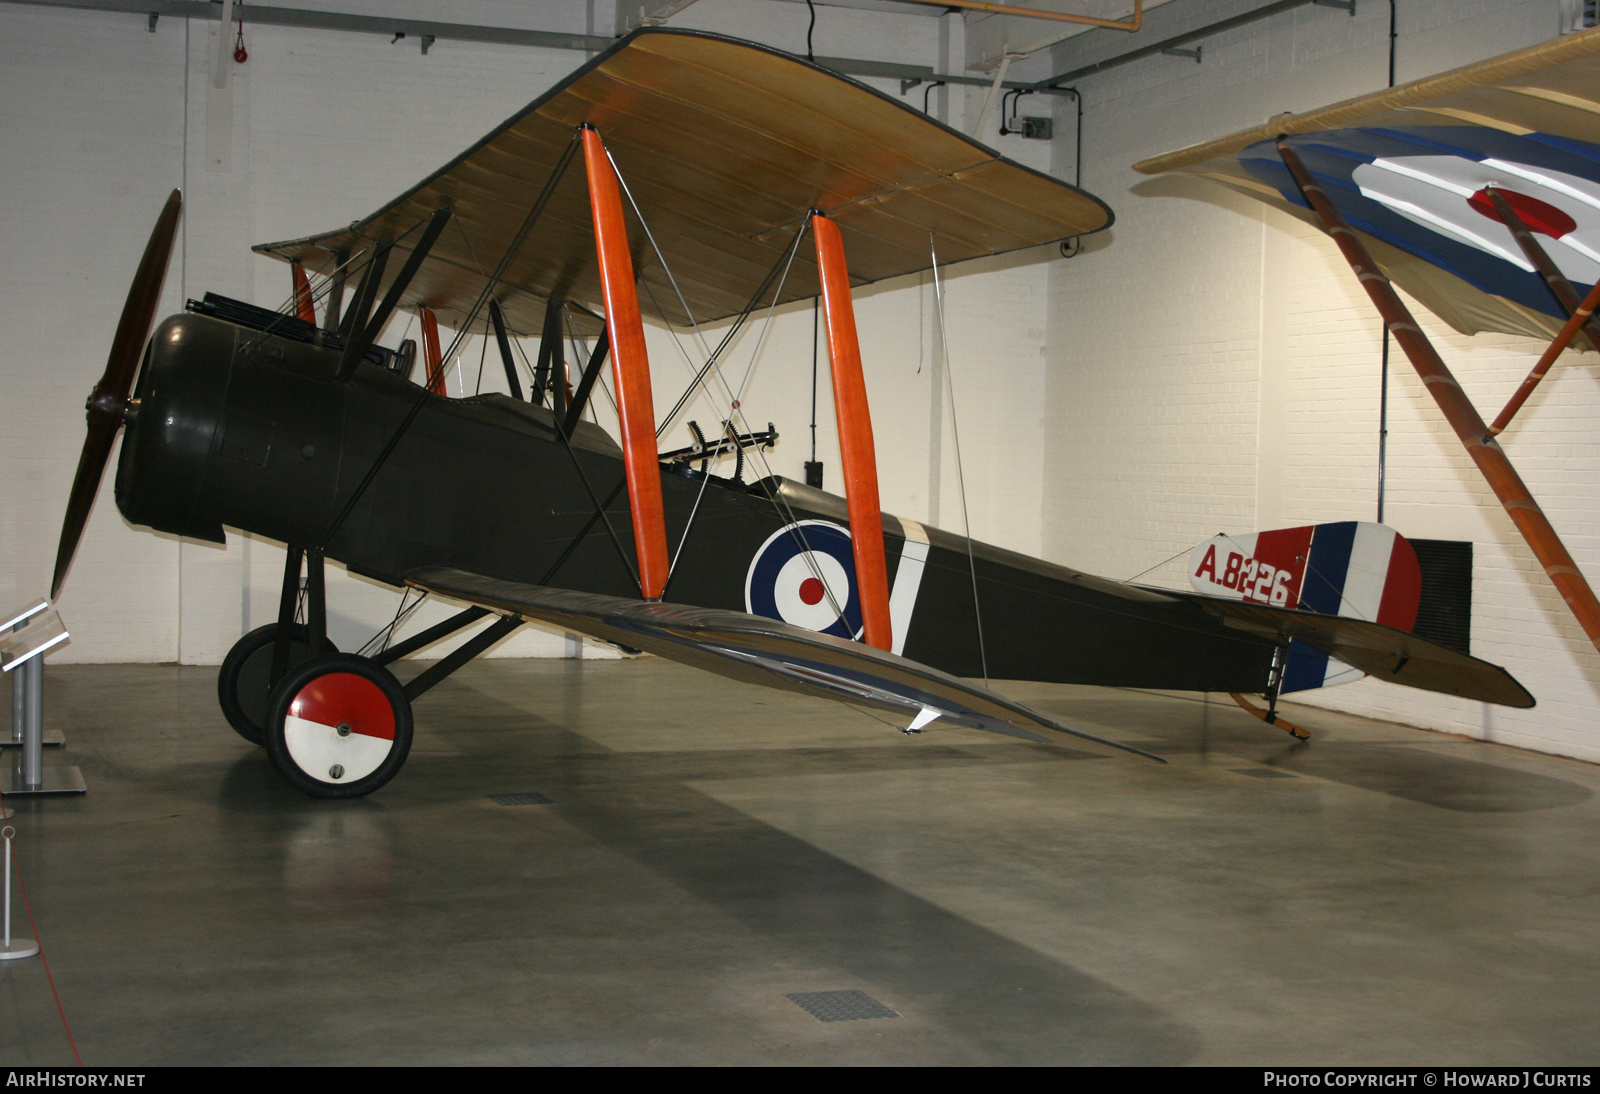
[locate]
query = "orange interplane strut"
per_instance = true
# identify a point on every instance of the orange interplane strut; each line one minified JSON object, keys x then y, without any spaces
{"x":856,"y":449}
{"x":302,"y":293}
{"x":431,"y":354}
{"x":1458,"y":409}
{"x":630,"y":368}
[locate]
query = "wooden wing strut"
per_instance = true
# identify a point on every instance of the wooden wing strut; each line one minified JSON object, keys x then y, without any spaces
{"x":1458,"y":410}
{"x":630,"y":368}
{"x":303,"y":306}
{"x":856,"y":449}
{"x":432,"y":355}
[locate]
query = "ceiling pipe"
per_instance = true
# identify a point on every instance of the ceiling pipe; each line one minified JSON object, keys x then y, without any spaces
{"x":1174,"y":42}
{"x":1129,"y":25}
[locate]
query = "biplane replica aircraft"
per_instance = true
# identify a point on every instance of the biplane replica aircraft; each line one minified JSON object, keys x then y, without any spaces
{"x":695,"y":178}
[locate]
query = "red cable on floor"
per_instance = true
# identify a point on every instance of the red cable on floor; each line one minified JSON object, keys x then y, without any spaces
{"x":16,"y":867}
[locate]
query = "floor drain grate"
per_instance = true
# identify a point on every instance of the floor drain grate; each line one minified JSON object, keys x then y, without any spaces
{"x":840,"y":1006}
{"x":532,"y":797}
{"x":1262,"y":773}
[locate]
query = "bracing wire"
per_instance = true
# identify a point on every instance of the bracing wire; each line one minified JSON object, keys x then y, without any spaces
{"x":955,"y":437}
{"x":713,"y":364}
{"x":380,"y":641}
{"x":733,"y":330}
{"x":512,"y":248}
{"x":755,"y":354}
{"x":1157,"y":566}
{"x":713,"y":357}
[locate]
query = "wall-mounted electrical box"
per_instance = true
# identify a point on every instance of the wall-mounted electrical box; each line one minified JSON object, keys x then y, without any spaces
{"x":1034,"y":129}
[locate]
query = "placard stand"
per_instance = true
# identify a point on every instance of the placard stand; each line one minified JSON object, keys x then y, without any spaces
{"x":24,"y":640}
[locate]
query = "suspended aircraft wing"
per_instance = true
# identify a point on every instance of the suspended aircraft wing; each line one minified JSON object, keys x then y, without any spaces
{"x":725,"y":145}
{"x":1375,"y":649}
{"x":764,"y":651}
{"x":1409,"y":168}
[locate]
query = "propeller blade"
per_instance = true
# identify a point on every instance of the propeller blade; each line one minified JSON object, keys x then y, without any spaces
{"x":108,"y":401}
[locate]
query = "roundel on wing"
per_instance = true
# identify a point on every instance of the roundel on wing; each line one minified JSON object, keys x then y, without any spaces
{"x":1427,"y":191}
{"x":804,"y":575}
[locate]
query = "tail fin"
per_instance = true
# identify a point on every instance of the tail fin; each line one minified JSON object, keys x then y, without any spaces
{"x":1351,"y":568}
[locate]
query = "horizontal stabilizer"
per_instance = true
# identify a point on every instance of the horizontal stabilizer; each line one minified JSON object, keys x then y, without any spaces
{"x":1375,"y":649}
{"x":762,"y":651}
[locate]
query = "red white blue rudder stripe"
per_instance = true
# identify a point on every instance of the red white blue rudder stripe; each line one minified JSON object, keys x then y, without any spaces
{"x":1352,"y":568}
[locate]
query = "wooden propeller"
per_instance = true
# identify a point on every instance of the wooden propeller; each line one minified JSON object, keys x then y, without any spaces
{"x":108,"y":402}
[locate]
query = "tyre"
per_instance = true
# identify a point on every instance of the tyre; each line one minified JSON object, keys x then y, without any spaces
{"x":338,"y":726}
{"x":244,"y":682}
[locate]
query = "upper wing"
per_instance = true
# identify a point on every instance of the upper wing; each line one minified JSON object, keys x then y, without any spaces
{"x":1406,"y":167}
{"x":762,"y":651}
{"x":1375,"y":649}
{"x":725,"y":145}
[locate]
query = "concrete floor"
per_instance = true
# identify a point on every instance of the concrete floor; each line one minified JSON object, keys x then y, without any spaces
{"x":1391,"y":897}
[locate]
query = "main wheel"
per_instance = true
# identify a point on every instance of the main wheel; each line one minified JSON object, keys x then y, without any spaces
{"x":244,"y":682}
{"x":338,"y":726}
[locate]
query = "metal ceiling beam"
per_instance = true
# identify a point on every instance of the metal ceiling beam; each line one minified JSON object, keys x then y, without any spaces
{"x":263,"y":15}
{"x":466,"y":32}
{"x":1133,"y":23}
{"x":1167,"y":18}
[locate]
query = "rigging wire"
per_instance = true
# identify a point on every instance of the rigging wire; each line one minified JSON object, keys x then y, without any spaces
{"x":733,"y":330}
{"x":712,"y":356}
{"x":512,"y":248}
{"x":766,"y":323}
{"x":380,"y":641}
{"x":1157,"y":566}
{"x":961,"y":477}
{"x":656,"y":247}
{"x":755,"y":354}
{"x":713,"y":364}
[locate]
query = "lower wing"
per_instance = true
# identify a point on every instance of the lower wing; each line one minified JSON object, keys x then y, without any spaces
{"x":763,"y":651}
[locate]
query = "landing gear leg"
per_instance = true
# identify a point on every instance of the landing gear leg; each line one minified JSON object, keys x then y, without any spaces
{"x":288,"y":603}
{"x":264,"y":656}
{"x":1280,"y":661}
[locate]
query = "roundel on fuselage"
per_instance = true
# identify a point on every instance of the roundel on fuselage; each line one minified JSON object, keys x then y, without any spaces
{"x":804,"y":575}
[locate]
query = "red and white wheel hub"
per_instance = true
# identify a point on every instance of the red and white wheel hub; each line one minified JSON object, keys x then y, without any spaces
{"x":340,"y":728}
